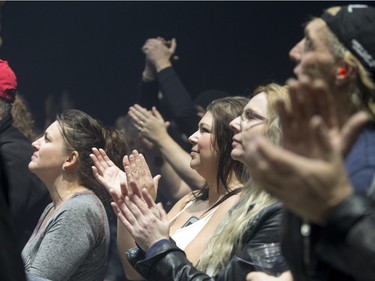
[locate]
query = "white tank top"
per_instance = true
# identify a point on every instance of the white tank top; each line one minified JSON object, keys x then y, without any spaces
{"x":185,"y":235}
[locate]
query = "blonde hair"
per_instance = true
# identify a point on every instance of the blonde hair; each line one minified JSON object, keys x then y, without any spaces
{"x":230,"y":231}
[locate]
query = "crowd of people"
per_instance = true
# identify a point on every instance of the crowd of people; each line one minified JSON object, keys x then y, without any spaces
{"x":278,"y":185}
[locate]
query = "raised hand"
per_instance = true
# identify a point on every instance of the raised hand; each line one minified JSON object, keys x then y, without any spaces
{"x":300,"y":183}
{"x":150,"y":124}
{"x":137,"y":171}
{"x":108,"y":174}
{"x":309,"y":171}
{"x":310,"y":98}
{"x":158,"y":53}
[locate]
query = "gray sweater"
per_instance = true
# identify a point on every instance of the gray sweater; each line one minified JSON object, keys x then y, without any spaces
{"x":72,"y":244}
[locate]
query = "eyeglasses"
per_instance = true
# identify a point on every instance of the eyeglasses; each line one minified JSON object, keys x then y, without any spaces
{"x":249,"y":115}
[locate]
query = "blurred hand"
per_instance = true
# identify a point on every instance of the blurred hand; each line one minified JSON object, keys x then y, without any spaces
{"x":159,"y":53}
{"x":308,"y":99}
{"x":309,"y":171}
{"x":150,"y":124}
{"x":149,"y":73}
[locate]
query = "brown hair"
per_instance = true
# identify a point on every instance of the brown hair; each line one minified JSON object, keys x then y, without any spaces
{"x":23,"y":119}
{"x":223,"y":111}
{"x":81,"y":133}
{"x":231,"y":229}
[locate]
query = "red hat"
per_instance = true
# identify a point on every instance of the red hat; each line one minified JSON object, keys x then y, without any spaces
{"x":8,"y":82}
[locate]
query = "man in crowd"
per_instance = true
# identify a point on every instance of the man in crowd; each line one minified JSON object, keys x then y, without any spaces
{"x":329,"y":223}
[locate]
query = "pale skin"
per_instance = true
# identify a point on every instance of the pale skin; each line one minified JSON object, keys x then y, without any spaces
{"x":320,"y":151}
{"x":304,"y":177}
{"x":115,"y":181}
{"x":251,"y":127}
{"x":173,"y":187}
{"x":204,"y":162}
{"x":320,"y":90}
{"x":317,"y":135}
{"x":55,"y":166}
{"x":154,"y":129}
{"x":158,"y":54}
{"x":146,"y":221}
{"x":313,"y":59}
{"x":261,"y":276}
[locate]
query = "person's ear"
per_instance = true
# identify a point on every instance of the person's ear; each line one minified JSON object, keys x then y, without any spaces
{"x":342,"y":71}
{"x":343,"y":74}
{"x":71,"y":161}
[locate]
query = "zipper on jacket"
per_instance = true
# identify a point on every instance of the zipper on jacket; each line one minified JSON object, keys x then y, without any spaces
{"x":305,"y":232}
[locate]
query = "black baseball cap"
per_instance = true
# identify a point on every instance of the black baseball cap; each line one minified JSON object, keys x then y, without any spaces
{"x":354,"y":26}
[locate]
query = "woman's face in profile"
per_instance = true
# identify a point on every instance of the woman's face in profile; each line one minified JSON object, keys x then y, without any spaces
{"x":203,"y":155}
{"x":50,"y":153}
{"x":249,"y":125}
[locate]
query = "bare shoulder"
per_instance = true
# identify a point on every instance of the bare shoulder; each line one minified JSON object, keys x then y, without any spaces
{"x":180,"y":204}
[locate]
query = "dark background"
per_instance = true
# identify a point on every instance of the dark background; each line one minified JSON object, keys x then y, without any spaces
{"x":92,"y":49}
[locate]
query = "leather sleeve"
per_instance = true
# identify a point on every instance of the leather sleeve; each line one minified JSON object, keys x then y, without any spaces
{"x":348,"y":240}
{"x":170,"y":263}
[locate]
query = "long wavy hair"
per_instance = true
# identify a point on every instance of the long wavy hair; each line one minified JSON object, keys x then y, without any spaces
{"x":230,"y":231}
{"x":223,"y":111}
{"x":23,"y":118}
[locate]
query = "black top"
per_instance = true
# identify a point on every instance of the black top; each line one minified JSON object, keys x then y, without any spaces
{"x":176,"y":105}
{"x":27,"y":194}
{"x":10,"y":255}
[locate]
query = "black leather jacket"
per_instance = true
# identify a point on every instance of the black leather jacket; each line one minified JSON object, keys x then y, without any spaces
{"x":170,"y":263}
{"x":343,"y":250}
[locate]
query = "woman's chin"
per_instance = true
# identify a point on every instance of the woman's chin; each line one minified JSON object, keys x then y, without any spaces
{"x":237,"y":154}
{"x":31,"y":166}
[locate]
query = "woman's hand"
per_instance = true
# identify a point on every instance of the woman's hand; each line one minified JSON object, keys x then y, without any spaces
{"x":108,"y":174}
{"x":159,"y":52}
{"x":150,"y":124}
{"x":138,"y":171}
{"x":146,"y":221}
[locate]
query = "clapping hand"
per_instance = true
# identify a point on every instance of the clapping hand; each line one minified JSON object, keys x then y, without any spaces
{"x":145,"y":220}
{"x":116,"y":181}
{"x":108,"y":174}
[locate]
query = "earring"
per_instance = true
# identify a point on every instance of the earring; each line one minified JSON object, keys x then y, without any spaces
{"x":342,"y":71}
